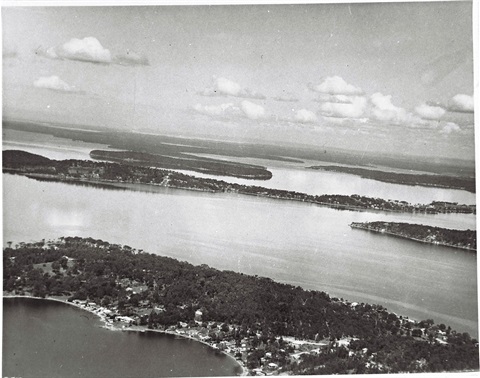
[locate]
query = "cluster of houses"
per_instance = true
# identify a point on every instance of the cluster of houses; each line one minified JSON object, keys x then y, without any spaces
{"x":86,"y":172}
{"x":218,"y":336}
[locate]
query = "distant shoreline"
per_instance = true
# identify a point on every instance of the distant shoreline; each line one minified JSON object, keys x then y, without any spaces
{"x":410,"y":179}
{"x":364,"y":227}
{"x":130,"y":329}
{"x":151,"y":188}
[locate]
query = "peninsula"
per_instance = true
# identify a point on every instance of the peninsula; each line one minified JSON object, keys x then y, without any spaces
{"x":123,"y":175}
{"x":464,"y":239}
{"x":269,"y":327}
{"x":431,"y":180}
{"x":187,"y":162}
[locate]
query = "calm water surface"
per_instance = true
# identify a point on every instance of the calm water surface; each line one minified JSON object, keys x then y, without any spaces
{"x":293,"y":242}
{"x":286,"y":176}
{"x":51,"y":339}
{"x":317,"y":182}
{"x":48,"y":145}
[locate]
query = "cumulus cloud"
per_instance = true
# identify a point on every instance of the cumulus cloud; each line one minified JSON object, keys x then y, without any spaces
{"x":344,"y":121}
{"x":90,"y":50}
{"x":226,"y":87}
{"x":338,"y":99}
{"x":384,"y":110}
{"x":305,"y":116}
{"x":449,"y":128}
{"x":335,"y":85}
{"x":230,"y":111}
{"x":216,"y":110}
{"x":53,"y":83}
{"x":429,"y":112}
{"x":354,"y":108}
{"x":251,"y":110}
{"x":461,"y":103}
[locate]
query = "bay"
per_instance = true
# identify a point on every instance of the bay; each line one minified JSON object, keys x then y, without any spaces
{"x":318,"y":182}
{"x":48,"y":145}
{"x":292,"y":242}
{"x":51,"y":339}
{"x":285,"y":175}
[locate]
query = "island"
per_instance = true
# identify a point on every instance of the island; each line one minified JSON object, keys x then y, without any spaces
{"x":130,"y":176}
{"x":431,"y":180}
{"x":187,"y":162}
{"x":464,"y":239}
{"x":267,"y":326}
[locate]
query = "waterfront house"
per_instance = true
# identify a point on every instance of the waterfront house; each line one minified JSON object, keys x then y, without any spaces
{"x":93,"y":172}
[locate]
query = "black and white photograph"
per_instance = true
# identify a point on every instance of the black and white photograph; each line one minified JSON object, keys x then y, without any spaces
{"x":245,"y":189}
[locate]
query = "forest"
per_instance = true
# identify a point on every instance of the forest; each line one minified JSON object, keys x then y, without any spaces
{"x":37,"y":166}
{"x":466,"y":239}
{"x":251,"y":308}
{"x":187,"y":162}
{"x":438,"y":181}
{"x":180,"y":146}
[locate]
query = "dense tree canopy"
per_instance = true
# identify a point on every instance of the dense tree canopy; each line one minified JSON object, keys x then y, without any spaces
{"x":255,"y":307}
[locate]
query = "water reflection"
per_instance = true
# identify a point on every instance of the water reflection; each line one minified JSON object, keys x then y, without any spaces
{"x":289,"y":241}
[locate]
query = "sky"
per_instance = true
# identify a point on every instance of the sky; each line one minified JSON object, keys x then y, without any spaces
{"x":386,"y":77}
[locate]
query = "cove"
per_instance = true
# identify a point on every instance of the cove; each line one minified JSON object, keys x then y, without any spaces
{"x":291,"y":242}
{"x":43,"y":338}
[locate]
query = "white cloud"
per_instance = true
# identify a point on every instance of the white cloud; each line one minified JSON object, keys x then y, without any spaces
{"x":384,"y":110}
{"x":352,"y":109}
{"x":251,"y":110}
{"x":305,"y":116}
{"x":346,"y":121}
{"x":429,"y":112}
{"x":216,"y":110}
{"x":340,"y":99}
{"x":450,"y":127}
{"x":461,"y":103}
{"x":53,"y":83}
{"x":90,"y":50}
{"x":335,"y":85}
{"x":226,"y":87}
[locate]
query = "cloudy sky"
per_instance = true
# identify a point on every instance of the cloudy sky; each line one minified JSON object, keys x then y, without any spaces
{"x":390,"y":77}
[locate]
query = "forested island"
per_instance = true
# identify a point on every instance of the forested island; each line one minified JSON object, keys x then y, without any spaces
{"x":194,"y":147}
{"x":464,"y":239}
{"x":269,"y":327}
{"x":124,"y":175}
{"x":432,"y":180}
{"x":191,"y":162}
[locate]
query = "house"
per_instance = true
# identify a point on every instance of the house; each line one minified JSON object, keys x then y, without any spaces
{"x":272,"y":365}
{"x":86,"y":171}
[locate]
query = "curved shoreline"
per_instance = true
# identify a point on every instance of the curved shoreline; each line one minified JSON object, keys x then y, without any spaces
{"x":232,"y":188}
{"x":412,"y":238}
{"x":110,"y":327}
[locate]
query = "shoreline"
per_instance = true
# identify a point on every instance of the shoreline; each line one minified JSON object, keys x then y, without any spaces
{"x":413,"y":239}
{"x":392,"y":180}
{"x":111,"y":327}
{"x":153,"y":188}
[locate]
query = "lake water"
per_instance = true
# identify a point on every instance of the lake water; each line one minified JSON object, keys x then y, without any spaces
{"x":59,"y":340}
{"x":292,"y":242}
{"x":48,"y":145}
{"x":286,"y":176}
